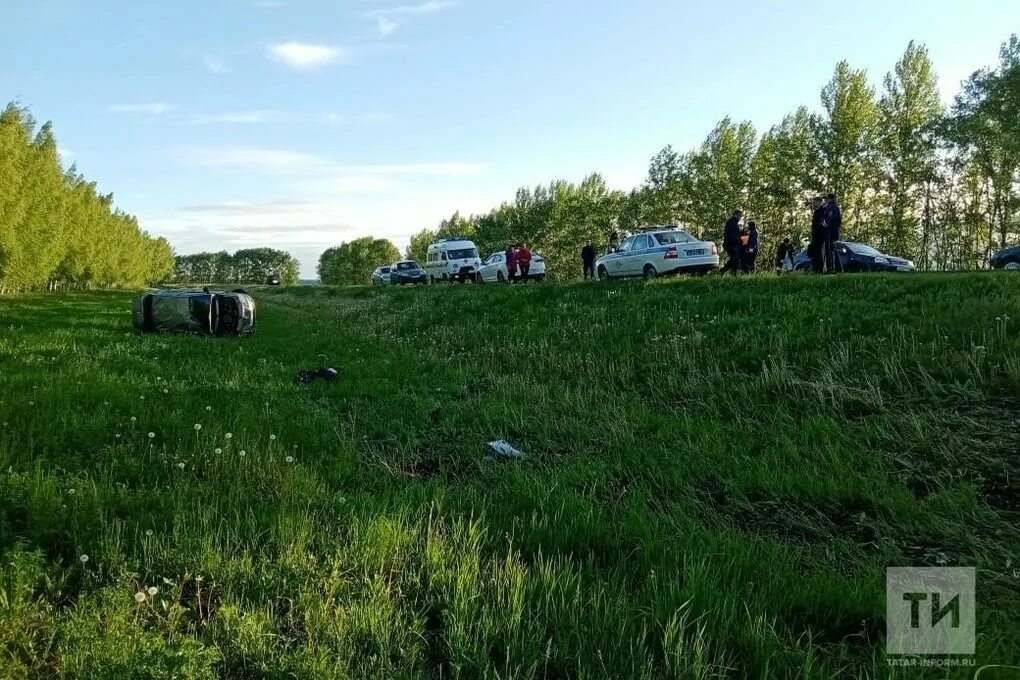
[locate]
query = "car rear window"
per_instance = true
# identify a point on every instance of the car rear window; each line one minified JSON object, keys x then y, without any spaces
{"x":462,"y":254}
{"x":668,"y":238}
{"x":407,"y":265}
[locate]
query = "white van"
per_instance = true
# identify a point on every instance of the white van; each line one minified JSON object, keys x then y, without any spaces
{"x":452,"y":259}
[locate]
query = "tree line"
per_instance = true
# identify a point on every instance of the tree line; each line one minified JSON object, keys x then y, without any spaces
{"x":939,"y":186}
{"x":57,"y":230}
{"x":250,"y":265}
{"x":352,"y":263}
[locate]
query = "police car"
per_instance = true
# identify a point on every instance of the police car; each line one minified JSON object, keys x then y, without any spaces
{"x":658,"y":251}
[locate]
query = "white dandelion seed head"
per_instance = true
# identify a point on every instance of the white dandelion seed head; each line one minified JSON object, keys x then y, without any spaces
{"x":198,"y":426}
{"x":148,"y":532}
{"x":151,"y":591}
{"x":84,"y":559}
{"x":141,"y":398}
{"x":139,"y":597}
{"x":272,"y":437}
{"x":180,"y":466}
{"x":228,"y":436}
{"x":290,"y":459}
{"x":152,"y":435}
{"x":117,"y":435}
{"x":219,"y":450}
{"x":166,"y":391}
{"x":242,"y":454}
{"x":208,"y":408}
{"x":70,"y":492}
{"x":133,"y":419}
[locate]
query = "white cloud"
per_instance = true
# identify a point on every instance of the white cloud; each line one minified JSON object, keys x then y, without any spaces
{"x":256,"y":160}
{"x":433,"y":169}
{"x":148,"y":109}
{"x":214,"y":64}
{"x":385,"y":26}
{"x":427,"y":7}
{"x":305,"y":56}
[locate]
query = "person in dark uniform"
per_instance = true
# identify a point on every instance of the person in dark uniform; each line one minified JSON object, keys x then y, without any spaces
{"x":833,"y":231}
{"x":588,"y":261}
{"x":784,"y":254}
{"x":819,"y":233}
{"x":731,"y":242}
{"x":749,"y":251}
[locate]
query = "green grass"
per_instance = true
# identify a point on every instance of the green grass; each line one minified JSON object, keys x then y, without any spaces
{"x":718,"y":473}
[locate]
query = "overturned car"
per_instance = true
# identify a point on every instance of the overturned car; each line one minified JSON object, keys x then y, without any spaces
{"x":190,"y":311}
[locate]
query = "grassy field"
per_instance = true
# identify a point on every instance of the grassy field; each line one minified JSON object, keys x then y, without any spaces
{"x":718,"y":473}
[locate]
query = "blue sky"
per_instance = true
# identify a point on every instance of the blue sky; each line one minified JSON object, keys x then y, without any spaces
{"x":299,"y":124}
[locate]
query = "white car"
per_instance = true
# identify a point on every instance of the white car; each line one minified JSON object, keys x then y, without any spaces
{"x":381,"y":275}
{"x":493,"y":270}
{"x":452,"y":259}
{"x":658,"y":252}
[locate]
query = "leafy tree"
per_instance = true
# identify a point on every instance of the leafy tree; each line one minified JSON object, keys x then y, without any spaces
{"x":352,"y":263}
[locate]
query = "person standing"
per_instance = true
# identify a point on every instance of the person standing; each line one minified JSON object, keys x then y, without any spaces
{"x":749,"y":256}
{"x":524,"y":261}
{"x":833,"y":231}
{"x":731,"y":242}
{"x":819,"y":233}
{"x":588,"y":261}
{"x":784,"y":254}
{"x":511,"y":262}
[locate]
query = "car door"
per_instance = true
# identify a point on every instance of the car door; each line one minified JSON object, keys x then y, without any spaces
{"x":637,"y":256}
{"x":615,"y":264}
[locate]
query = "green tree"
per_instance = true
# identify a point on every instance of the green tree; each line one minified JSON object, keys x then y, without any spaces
{"x":352,"y":263}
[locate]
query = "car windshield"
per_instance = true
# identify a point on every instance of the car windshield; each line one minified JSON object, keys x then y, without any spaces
{"x":667,"y":238}
{"x":862,"y":249}
{"x":407,"y":265}
{"x":384,"y":270}
{"x":462,"y":254}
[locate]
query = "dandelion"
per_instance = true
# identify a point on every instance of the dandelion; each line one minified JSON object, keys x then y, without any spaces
{"x":218,"y":451}
{"x":152,"y":590}
{"x":242,"y":454}
{"x":180,"y":466}
{"x":148,"y":532}
{"x":133,"y":419}
{"x":198,"y":426}
{"x":70,"y":492}
{"x":290,"y":459}
{"x":140,"y":597}
{"x":166,"y":391}
{"x":31,"y":403}
{"x":84,"y":559}
{"x":208,"y":408}
{"x":141,"y":398}
{"x":228,"y":436}
{"x":117,"y":435}
{"x":152,"y":435}
{"x":272,"y":437}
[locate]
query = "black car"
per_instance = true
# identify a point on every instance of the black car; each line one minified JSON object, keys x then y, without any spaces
{"x":191,"y":311}
{"x":273,"y":280}
{"x":407,"y":271}
{"x":1007,"y":258}
{"x":858,"y":257}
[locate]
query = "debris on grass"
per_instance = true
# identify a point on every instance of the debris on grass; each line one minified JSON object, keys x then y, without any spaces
{"x":501,"y":449}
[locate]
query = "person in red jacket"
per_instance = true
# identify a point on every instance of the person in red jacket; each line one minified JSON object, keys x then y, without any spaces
{"x":524,"y":261}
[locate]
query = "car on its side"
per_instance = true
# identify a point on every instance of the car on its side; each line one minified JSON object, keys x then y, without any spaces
{"x":493,"y":269}
{"x":858,"y":257}
{"x":195,"y":311}
{"x":381,"y":275}
{"x":452,"y":259}
{"x":407,"y":271}
{"x":1007,"y":258}
{"x":658,"y":251}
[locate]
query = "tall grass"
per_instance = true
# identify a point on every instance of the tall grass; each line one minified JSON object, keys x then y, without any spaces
{"x":718,"y":473}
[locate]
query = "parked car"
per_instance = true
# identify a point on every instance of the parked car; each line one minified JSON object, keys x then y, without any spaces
{"x":194,"y":311}
{"x":452,"y":259}
{"x":273,"y":280}
{"x":381,"y":275}
{"x":493,"y":269}
{"x":658,"y":252}
{"x":858,"y":257}
{"x":1007,"y":258}
{"x":407,"y":271}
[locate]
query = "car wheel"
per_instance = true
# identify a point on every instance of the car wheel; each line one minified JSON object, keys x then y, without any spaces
{"x":499,"y":277}
{"x":650,"y":272}
{"x":603,"y":274}
{"x":1012,"y":266}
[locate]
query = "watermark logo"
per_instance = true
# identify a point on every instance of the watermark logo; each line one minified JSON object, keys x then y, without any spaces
{"x":930,"y":610}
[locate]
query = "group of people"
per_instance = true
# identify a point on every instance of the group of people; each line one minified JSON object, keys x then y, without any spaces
{"x":740,"y":244}
{"x":518,"y":262}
